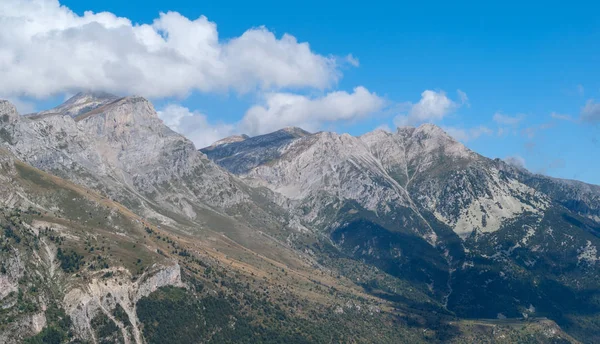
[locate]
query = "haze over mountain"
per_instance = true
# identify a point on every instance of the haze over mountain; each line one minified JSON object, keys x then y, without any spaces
{"x":407,"y":236}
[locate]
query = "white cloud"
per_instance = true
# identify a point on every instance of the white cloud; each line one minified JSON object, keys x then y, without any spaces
{"x":194,"y":125}
{"x":285,"y":109}
{"x":384,"y":127}
{"x":465,"y":135}
{"x":47,"y":49}
{"x":591,"y":111}
{"x":516,"y":161}
{"x":353,"y":61}
{"x":507,"y":120}
{"x":23,"y":106}
{"x":562,"y":117}
{"x":432,"y":107}
{"x":279,"y":110}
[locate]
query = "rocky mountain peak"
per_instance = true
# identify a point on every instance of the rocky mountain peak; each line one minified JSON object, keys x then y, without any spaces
{"x":81,"y":97}
{"x":82,"y":103}
{"x":8,"y":112}
{"x":295,"y":131}
{"x":430,"y":139}
{"x":124,"y":114}
{"x":229,"y":139}
{"x":424,"y":132}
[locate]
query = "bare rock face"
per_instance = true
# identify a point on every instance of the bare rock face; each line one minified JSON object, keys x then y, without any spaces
{"x":461,"y":188}
{"x":81,"y":103}
{"x":122,"y":149}
{"x":102,"y":297}
{"x":230,"y":139}
{"x":8,"y":112}
{"x":318,"y":174}
{"x":418,"y":169}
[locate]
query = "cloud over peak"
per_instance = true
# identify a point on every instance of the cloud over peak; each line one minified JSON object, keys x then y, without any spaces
{"x":277,"y":110}
{"x":432,"y":107}
{"x":285,"y":109}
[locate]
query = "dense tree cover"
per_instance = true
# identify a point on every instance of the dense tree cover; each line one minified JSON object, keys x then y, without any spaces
{"x":175,"y":315}
{"x":106,"y":331}
{"x":58,"y":329}
{"x":70,"y":261}
{"x":120,"y":315}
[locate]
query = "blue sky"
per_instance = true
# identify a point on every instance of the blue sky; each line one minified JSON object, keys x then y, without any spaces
{"x":517,"y":64}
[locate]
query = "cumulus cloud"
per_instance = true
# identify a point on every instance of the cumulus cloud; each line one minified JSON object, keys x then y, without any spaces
{"x":194,"y":125}
{"x":432,"y":107}
{"x":46,"y":49}
{"x":278,"y":110}
{"x":508,"y":120}
{"x":591,"y":111}
{"x":465,"y":135}
{"x":285,"y":109}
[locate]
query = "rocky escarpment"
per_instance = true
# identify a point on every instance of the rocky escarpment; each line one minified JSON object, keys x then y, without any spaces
{"x":122,"y":149}
{"x":419,"y":169}
{"x":67,"y":256}
{"x":319,"y":174}
{"x":8,"y":112}
{"x":102,"y":296}
{"x":240,"y":156}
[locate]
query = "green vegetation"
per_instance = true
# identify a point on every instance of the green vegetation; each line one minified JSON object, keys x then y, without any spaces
{"x":70,"y":261}
{"x":57,"y":329}
{"x":176,"y":315}
{"x":120,"y":315}
{"x":105,"y":330}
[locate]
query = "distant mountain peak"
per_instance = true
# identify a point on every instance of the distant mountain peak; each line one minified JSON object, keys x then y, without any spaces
{"x":82,"y":96}
{"x":295,"y":131}
{"x":229,"y":139}
{"x":81,"y":103}
{"x":426,"y":129}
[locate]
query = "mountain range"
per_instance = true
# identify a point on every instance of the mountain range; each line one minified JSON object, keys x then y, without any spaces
{"x":118,"y":229}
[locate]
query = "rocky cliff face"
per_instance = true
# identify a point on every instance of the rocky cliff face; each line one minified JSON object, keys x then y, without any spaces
{"x":103,"y":296}
{"x":46,"y":223}
{"x":415,"y":168}
{"x":123,"y":149}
